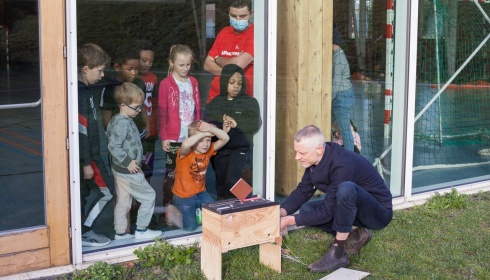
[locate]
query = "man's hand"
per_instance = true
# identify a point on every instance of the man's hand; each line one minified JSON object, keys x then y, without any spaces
{"x":287,"y":221}
{"x":283,"y":212}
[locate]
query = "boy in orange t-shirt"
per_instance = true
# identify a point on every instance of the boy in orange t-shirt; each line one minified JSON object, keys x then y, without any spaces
{"x":192,"y":163}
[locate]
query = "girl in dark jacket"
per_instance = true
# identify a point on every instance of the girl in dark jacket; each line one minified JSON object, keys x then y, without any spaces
{"x":234,"y":160}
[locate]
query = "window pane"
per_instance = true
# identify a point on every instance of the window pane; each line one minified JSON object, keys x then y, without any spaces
{"x":361,"y":35}
{"x":21,"y":170}
{"x":118,"y":26}
{"x":451,"y":141}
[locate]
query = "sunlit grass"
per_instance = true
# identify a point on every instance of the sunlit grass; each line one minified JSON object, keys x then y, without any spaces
{"x":433,"y":241}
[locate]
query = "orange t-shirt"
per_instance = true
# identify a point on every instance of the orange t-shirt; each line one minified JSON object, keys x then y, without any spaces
{"x":190,"y":173}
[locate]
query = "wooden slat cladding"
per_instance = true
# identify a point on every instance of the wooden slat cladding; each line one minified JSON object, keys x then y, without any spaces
{"x":304,"y":80}
{"x":23,"y":241}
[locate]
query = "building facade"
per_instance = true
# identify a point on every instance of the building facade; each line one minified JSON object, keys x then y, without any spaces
{"x":419,"y":70}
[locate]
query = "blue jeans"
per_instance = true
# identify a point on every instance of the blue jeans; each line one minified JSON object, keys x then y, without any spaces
{"x":354,"y":207}
{"x":188,"y":207}
{"x":341,"y":106}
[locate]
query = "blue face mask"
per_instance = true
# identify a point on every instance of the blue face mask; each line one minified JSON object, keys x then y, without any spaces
{"x":239,"y":25}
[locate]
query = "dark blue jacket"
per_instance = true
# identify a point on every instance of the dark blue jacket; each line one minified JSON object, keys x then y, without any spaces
{"x":336,"y":166}
{"x":88,"y":127}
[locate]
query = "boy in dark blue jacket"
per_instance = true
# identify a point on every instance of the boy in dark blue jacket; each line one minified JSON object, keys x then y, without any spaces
{"x":94,"y":175}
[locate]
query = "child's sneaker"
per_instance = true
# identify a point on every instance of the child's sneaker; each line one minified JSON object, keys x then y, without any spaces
{"x":147,"y":234}
{"x":93,"y":239}
{"x":123,"y":236}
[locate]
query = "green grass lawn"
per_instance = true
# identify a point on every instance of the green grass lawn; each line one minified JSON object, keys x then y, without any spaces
{"x":447,"y":238}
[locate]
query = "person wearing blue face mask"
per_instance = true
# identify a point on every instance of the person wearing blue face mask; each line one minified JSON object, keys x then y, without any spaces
{"x":234,"y":44}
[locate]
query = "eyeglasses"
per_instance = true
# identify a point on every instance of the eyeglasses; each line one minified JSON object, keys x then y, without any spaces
{"x":137,"y":109}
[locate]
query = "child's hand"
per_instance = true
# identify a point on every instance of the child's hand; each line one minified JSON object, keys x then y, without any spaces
{"x":208,"y":134}
{"x":229,"y":119}
{"x":226,"y":126}
{"x":203,"y":126}
{"x":166,"y":145}
{"x":88,"y":172}
{"x":134,"y":167}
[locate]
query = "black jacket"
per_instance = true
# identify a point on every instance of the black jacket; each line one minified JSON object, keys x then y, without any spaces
{"x":243,"y":109}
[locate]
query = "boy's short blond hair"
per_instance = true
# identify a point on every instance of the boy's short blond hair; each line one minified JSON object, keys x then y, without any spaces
{"x":128,"y":93}
{"x":92,"y":55}
{"x":192,"y":129}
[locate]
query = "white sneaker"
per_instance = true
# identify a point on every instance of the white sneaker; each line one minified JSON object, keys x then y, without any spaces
{"x":123,"y":236}
{"x":147,"y":234}
{"x":93,"y":239}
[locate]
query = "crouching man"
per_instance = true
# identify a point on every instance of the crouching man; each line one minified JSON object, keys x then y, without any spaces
{"x":356,"y":197}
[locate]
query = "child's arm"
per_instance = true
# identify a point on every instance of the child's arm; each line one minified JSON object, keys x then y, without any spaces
{"x":221,"y":134}
{"x":146,"y":121}
{"x":162,"y":115}
{"x":117,"y":132}
{"x":190,"y":141}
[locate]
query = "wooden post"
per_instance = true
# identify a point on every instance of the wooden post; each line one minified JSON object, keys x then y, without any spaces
{"x":304,"y":80}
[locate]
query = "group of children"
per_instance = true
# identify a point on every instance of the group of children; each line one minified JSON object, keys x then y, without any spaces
{"x":190,"y":142}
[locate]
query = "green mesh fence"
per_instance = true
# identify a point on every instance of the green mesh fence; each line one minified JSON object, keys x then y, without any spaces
{"x":453,"y":91}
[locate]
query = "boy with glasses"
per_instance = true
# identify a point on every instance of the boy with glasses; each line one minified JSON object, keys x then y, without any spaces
{"x":126,"y":154}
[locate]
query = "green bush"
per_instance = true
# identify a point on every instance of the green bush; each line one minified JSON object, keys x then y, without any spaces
{"x":101,"y":271}
{"x":165,"y":255}
{"x":452,"y":200}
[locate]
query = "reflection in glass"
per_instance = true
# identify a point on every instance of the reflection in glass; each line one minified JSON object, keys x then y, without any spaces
{"x":451,"y":141}
{"x":161,"y":24}
{"x":362,"y":28}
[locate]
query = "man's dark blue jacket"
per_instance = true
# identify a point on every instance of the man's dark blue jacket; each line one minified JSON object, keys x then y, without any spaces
{"x":336,"y":166}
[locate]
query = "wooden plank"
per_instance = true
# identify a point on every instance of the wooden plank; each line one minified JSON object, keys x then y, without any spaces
{"x":25,"y":261}
{"x":211,"y":245}
{"x":287,"y":91}
{"x":54,"y":106}
{"x":211,"y":227}
{"x":251,"y":227}
{"x":270,"y":255}
{"x":211,"y":260}
{"x":24,"y":241}
{"x":327,"y":16}
{"x":303,"y":80}
{"x":303,"y":74}
{"x":315,"y":64}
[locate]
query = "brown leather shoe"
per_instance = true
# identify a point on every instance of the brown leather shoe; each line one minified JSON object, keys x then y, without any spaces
{"x":335,"y":258}
{"x":357,"y":238}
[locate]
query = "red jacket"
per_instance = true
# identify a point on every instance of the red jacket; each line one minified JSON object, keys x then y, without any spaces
{"x":168,"y":107}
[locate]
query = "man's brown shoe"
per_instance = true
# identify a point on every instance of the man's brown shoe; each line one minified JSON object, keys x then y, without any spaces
{"x":357,"y":238}
{"x":334,"y":258}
